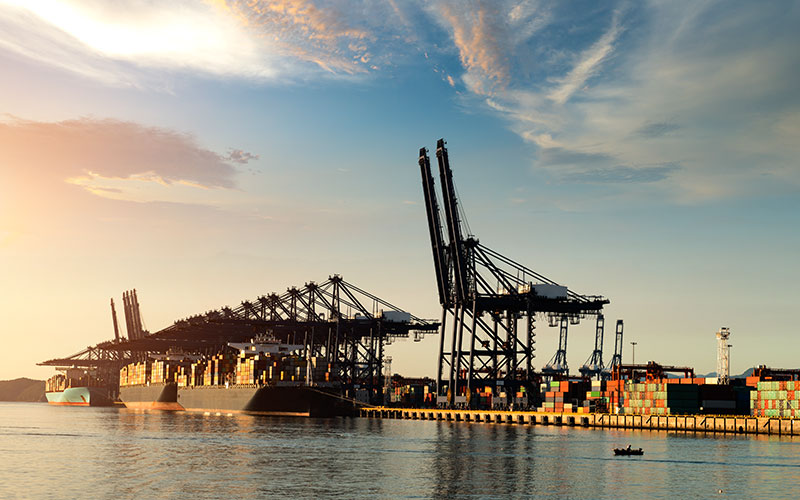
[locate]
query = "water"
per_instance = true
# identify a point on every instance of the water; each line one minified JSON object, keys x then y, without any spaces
{"x":63,"y":452}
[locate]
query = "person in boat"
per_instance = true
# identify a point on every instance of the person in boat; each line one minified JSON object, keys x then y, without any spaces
{"x":628,"y":448}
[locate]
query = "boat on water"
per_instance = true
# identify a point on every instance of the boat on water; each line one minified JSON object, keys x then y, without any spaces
{"x":263,"y":377}
{"x":278,"y":400}
{"x":628,"y":451}
{"x":76,"y":387}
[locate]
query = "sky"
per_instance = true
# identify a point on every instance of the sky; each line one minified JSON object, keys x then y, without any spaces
{"x":209,"y":152}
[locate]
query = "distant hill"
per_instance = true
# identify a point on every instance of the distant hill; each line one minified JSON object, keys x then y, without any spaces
{"x":22,"y":389}
{"x":745,"y":374}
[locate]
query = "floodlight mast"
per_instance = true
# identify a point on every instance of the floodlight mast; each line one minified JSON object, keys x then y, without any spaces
{"x":723,"y":356}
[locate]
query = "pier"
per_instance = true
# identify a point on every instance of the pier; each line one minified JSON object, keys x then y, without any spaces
{"x":734,"y":424}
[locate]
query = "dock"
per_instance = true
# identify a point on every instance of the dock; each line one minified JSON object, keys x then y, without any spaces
{"x":733,"y":424}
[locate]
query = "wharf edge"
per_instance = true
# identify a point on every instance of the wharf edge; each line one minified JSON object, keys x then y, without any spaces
{"x":733,"y":424}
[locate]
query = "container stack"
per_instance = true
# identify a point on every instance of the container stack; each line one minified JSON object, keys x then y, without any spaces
{"x":659,"y":398}
{"x":484,"y":397}
{"x":320,"y":370}
{"x":218,"y":368}
{"x":776,"y":398}
{"x":417,"y":394}
{"x":197,"y":376}
{"x":163,"y":372}
{"x":563,"y":396}
{"x":721,"y":399}
{"x":56,"y":383}
{"x":182,"y":374}
{"x":253,"y":369}
{"x":597,"y":399}
{"x":135,"y":374}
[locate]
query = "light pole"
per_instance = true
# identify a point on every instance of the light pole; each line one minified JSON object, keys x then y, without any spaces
{"x":633,"y":353}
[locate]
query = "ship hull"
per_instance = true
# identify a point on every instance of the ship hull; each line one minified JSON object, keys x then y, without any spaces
{"x":79,"y":396}
{"x":297,"y":401}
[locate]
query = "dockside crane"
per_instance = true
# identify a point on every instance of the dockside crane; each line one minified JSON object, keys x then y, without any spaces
{"x":558,"y":363}
{"x":441,"y":262}
{"x":486,"y":296}
{"x":349,"y":336}
{"x":594,"y":365}
{"x":616,"y":360}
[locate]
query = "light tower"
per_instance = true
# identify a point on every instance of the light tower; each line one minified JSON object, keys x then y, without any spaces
{"x":723,"y":356}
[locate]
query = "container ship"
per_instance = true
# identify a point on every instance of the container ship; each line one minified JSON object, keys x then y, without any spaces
{"x":262,"y":377}
{"x":77,"y":387}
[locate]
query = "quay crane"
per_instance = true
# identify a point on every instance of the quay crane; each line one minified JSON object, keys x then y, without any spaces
{"x":491,"y":303}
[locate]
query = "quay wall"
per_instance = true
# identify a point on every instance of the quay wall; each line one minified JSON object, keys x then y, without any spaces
{"x":741,"y":424}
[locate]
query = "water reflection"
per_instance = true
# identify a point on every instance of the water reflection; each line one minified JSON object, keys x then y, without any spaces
{"x":135,"y":454}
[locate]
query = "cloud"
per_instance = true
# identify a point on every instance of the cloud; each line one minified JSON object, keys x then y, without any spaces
{"x":653,"y":130}
{"x":585,"y":67}
{"x":140,"y":43}
{"x":321,"y":35}
{"x":118,"y":44}
{"x":475,"y":34}
{"x":623,"y":174}
{"x":239,"y":156}
{"x":483,"y":32}
{"x":600,"y":79}
{"x":561,"y":156}
{"x":90,"y":148}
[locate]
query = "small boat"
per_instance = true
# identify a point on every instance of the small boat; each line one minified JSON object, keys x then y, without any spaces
{"x":628,"y":451}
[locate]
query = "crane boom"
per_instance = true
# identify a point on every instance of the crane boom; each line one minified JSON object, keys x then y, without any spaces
{"x":457,"y":251}
{"x":438,"y":246}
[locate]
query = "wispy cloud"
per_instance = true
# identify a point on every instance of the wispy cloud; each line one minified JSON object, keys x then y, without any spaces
{"x":585,"y":67}
{"x":605,"y":77}
{"x":484,"y":32}
{"x":623,"y":174}
{"x":657,"y":129}
{"x":130,"y":42}
{"x":323,"y":35}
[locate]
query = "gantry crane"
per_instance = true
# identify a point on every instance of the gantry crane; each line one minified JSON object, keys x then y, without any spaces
{"x":485,"y":296}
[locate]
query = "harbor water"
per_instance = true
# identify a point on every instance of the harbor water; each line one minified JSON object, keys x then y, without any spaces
{"x":66,"y":452}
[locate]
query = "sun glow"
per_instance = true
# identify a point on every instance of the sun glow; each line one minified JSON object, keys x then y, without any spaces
{"x":198,"y":34}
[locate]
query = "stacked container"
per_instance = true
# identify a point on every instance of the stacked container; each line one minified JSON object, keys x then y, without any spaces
{"x":776,"y":398}
{"x":563,"y":396}
{"x":597,"y":399}
{"x":135,"y":374}
{"x":56,"y":383}
{"x":163,"y":372}
{"x":659,"y":398}
{"x":253,"y":369}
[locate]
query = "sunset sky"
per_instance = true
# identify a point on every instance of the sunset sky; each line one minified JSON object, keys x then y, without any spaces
{"x":206,"y":153}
